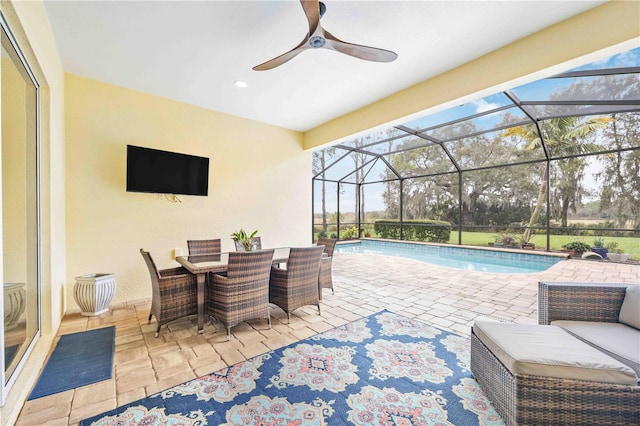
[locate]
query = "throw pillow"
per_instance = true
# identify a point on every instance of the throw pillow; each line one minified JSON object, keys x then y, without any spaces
{"x":630,"y":310}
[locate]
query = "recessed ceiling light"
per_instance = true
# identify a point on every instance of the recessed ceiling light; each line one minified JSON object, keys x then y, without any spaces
{"x":240,"y":83}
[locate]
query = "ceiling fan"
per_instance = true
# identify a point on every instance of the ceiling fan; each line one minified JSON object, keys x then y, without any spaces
{"x":318,"y":38}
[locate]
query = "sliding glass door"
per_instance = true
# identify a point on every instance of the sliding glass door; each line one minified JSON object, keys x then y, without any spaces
{"x":19,"y":229}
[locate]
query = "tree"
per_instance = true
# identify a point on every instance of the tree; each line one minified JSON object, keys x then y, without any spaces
{"x":562,"y":136}
{"x":503,"y":185}
{"x":435,"y":195}
{"x":319,"y":164}
{"x":568,"y":190}
{"x":620,"y":176}
{"x":391,"y":194}
{"x":359,"y":159}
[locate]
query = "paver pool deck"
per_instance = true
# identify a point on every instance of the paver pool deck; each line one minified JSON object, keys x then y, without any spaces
{"x":364,"y":284}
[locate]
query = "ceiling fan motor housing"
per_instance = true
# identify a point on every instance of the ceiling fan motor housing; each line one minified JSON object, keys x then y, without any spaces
{"x":317,"y":42}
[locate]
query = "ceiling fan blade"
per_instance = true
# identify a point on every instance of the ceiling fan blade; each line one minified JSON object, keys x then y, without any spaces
{"x":285,"y":57}
{"x":312,"y":10}
{"x":362,"y":52}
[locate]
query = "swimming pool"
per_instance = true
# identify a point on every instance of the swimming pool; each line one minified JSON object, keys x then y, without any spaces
{"x":468,"y":259}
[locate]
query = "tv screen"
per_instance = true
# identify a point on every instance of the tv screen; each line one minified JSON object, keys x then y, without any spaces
{"x":164,"y":172}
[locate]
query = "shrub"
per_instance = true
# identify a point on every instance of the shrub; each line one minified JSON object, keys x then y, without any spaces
{"x":612,"y":245}
{"x":578,"y":246}
{"x":349,"y":233}
{"x":416,"y":230}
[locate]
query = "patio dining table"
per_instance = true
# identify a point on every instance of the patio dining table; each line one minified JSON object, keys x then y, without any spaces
{"x":200,"y":265}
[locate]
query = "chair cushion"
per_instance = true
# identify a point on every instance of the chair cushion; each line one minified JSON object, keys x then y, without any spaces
{"x":630,"y":310}
{"x":549,"y":351}
{"x":618,"y":340}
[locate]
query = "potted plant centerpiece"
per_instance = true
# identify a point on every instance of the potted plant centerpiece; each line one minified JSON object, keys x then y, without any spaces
{"x":576,"y":248}
{"x":246,"y":240}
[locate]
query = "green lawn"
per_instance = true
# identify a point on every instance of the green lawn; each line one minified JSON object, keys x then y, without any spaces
{"x":628,"y":245}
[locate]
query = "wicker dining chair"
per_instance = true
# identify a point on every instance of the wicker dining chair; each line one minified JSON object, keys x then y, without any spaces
{"x":174,"y":293}
{"x":297,"y":285}
{"x":197,"y":247}
{"x":257,"y":244}
{"x":244,"y":293}
{"x":325,"y":279}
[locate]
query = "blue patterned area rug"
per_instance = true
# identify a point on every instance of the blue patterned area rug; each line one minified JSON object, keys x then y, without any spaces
{"x":384,"y":369}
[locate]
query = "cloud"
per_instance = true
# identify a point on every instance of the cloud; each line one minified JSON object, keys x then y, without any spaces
{"x":630,"y":58}
{"x":482,"y":105}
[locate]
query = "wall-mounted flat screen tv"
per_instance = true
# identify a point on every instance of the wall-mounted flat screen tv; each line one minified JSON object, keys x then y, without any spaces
{"x":164,"y":172}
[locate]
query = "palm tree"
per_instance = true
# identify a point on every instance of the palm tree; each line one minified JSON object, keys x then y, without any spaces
{"x":564,"y":136}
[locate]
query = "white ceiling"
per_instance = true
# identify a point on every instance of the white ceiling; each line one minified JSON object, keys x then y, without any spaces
{"x":193,"y":51}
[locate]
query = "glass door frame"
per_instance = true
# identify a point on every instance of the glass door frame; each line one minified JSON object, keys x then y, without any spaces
{"x":8,"y":383}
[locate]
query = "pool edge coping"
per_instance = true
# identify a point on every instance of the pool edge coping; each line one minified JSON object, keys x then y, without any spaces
{"x":564,"y":256}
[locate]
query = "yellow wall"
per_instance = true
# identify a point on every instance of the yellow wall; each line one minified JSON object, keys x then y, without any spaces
{"x":260,"y":178}
{"x":554,"y":49}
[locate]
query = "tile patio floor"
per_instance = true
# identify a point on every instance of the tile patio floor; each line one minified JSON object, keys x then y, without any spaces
{"x":364,"y":284}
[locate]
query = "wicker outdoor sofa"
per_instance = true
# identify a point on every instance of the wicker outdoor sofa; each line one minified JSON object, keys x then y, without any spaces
{"x":595,"y":386}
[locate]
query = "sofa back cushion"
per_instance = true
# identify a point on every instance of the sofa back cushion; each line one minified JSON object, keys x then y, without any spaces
{"x":617,"y":340}
{"x":630,"y":310}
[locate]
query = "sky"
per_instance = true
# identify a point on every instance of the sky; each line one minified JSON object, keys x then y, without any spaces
{"x":537,"y":90}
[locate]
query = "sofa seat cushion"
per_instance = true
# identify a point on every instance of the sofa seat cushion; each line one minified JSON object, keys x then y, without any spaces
{"x":549,"y":351}
{"x":618,"y":340}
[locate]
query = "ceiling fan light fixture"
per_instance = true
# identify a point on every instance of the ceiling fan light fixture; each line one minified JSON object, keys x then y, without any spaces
{"x":241,"y":84}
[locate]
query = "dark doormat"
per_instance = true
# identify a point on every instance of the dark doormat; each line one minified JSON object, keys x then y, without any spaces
{"x":79,"y":359}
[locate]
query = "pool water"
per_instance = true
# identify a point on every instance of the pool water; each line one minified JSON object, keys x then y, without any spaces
{"x":464,"y":258}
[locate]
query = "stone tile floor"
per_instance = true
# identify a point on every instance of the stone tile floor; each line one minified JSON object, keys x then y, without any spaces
{"x":364,"y":284}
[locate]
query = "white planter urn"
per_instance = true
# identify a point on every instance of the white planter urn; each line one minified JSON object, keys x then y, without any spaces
{"x":14,"y":294}
{"x":94,"y":292}
{"x":618,"y":257}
